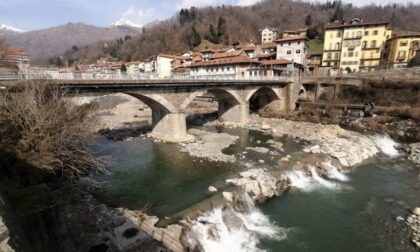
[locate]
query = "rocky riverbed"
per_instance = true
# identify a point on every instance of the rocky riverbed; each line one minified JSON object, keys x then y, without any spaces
{"x":209,"y":145}
{"x":413,"y":222}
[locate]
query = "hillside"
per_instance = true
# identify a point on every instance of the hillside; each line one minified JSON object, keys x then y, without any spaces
{"x":41,"y":44}
{"x":232,"y":23}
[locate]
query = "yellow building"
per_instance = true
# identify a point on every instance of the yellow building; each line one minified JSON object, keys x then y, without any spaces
{"x":400,"y":49}
{"x":354,"y":46}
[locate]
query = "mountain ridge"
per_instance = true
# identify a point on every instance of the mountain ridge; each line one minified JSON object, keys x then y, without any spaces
{"x":54,"y":41}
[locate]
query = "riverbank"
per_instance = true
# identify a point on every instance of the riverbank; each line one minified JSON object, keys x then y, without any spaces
{"x":331,"y":152}
{"x":413,"y":222}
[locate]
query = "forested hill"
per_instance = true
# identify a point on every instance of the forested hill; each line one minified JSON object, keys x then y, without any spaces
{"x":226,"y":24}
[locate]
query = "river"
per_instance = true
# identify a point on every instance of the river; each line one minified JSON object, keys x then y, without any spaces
{"x":353,"y":212}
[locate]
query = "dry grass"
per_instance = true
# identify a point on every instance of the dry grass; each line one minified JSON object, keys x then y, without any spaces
{"x":39,"y":126}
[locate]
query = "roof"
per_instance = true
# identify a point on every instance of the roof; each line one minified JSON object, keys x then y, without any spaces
{"x":406,"y":34}
{"x":355,"y":24}
{"x":269,"y":28}
{"x":297,"y":30}
{"x":291,"y":38}
{"x":212,"y":50}
{"x":268,"y":45}
{"x":226,"y":61}
{"x":170,"y":56}
{"x":227,"y":54}
{"x":267,"y":55}
{"x":276,"y":62}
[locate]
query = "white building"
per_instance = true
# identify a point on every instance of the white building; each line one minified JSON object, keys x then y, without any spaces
{"x":228,"y":67}
{"x":268,"y":35}
{"x":292,"y":49}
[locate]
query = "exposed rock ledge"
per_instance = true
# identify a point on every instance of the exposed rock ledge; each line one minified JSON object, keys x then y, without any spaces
{"x":209,"y":145}
{"x":349,"y":148}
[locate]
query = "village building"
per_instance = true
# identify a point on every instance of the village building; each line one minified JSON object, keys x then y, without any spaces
{"x":292,"y":49}
{"x":354,"y":46}
{"x":400,"y":50}
{"x":268,"y":35}
{"x":229,"y":66}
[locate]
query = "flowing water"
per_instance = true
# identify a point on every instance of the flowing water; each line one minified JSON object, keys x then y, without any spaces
{"x":344,"y":212}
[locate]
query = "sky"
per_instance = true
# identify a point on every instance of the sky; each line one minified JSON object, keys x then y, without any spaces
{"x":38,"y":14}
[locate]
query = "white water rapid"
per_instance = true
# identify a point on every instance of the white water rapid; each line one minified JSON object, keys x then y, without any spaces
{"x":386,"y":145}
{"x":308,"y":183}
{"x":334,"y":173}
{"x":228,"y":230}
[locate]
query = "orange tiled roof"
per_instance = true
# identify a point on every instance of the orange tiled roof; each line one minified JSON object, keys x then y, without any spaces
{"x":276,"y":62}
{"x":291,"y":38}
{"x":226,"y":61}
{"x":227,"y":54}
{"x":268,"y":45}
{"x":170,"y":56}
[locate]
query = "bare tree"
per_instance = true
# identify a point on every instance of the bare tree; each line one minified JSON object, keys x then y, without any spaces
{"x":39,"y":125}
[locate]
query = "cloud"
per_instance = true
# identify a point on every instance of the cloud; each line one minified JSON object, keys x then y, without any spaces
{"x":247,"y":2}
{"x":141,"y":16}
{"x":201,"y":3}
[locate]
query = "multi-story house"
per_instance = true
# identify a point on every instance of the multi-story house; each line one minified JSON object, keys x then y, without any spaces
{"x":354,"y":46}
{"x":268,"y":35}
{"x":400,"y":49}
{"x":292,"y":49}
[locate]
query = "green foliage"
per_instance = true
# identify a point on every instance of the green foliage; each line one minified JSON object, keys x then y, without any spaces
{"x":338,"y":13}
{"x":218,"y":36}
{"x":187,"y":15}
{"x":194,"y":38}
{"x":308,"y":20}
{"x":312,"y":32}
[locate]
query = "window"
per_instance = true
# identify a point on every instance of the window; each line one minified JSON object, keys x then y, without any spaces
{"x":338,"y":46}
{"x":290,"y":43}
{"x":356,"y":54}
{"x":329,"y":56}
{"x":375,"y":32}
{"x":351,"y":54}
{"x":366,"y":33}
{"x":365,"y":44}
{"x":401,"y":55}
{"x":373,"y":44}
{"x":228,"y":69}
{"x":298,"y":42}
{"x":338,"y":34}
{"x":289,"y":52}
{"x":403,"y":43}
{"x":344,"y":54}
{"x":298,"y":51}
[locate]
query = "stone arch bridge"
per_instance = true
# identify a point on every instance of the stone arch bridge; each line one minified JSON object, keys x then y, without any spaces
{"x":169,"y":99}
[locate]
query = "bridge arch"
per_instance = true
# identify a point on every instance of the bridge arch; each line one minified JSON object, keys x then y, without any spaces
{"x":167,"y":122}
{"x":232,"y":108}
{"x":264,"y":97}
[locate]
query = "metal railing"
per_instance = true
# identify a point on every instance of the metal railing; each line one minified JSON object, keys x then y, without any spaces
{"x":134,"y":77}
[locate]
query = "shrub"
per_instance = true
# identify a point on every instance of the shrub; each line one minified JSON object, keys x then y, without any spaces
{"x":41,"y":127}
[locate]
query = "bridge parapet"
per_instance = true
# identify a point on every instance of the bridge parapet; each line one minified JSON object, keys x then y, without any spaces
{"x":126,"y":76}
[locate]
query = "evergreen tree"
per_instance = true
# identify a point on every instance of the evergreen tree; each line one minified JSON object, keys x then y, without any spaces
{"x":312,"y":32}
{"x":212,"y":35}
{"x":338,"y":13}
{"x":194,"y":38}
{"x":221,"y":29}
{"x":308,"y":20}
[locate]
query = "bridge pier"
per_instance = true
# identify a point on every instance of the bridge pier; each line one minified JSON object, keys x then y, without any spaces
{"x":170,"y":127}
{"x":237,"y":113}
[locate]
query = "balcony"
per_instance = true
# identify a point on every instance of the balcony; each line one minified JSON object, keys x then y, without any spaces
{"x":357,"y":37}
{"x":371,"y":48}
